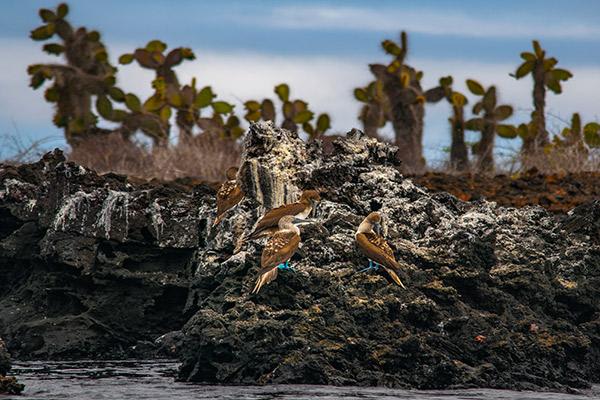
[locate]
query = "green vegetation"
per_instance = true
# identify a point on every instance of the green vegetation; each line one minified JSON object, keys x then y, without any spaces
{"x":85,"y":91}
{"x":294,"y":112}
{"x":544,"y":75}
{"x":87,"y":79}
{"x":489,"y":115}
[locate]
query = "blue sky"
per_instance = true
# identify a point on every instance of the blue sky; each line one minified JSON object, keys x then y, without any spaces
{"x":322,"y":49}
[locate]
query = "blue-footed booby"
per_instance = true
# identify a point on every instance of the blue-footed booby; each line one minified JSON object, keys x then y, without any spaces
{"x":280,"y":247}
{"x":228,"y":195}
{"x":376,"y":248}
{"x":268,"y":223}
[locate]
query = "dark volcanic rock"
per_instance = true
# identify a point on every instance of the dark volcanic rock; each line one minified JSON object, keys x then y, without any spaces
{"x":8,"y":384}
{"x":98,"y":266}
{"x":91,"y":265}
{"x":497,"y":297}
{"x":4,"y":359}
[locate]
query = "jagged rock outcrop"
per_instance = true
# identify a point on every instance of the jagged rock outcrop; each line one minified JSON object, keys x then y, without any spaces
{"x":8,"y":385}
{"x":498,"y":297}
{"x":100,"y":266}
{"x":93,"y":266}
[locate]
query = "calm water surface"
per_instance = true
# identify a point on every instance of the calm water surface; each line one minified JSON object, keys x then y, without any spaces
{"x":142,"y":380}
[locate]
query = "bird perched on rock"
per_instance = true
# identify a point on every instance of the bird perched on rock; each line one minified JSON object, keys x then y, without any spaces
{"x":280,"y":247}
{"x":228,"y":195}
{"x":376,"y":248}
{"x":267,"y":224}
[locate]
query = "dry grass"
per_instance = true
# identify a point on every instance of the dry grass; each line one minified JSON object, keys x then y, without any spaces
{"x":205,"y":157}
{"x":562,"y":160}
{"x":511,"y":161}
{"x":15,"y":150}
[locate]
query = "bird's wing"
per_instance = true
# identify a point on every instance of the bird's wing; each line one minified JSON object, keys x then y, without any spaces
{"x":380,"y":243}
{"x":272,"y":217}
{"x":280,"y":248}
{"x":376,"y":248}
{"x":228,"y":196}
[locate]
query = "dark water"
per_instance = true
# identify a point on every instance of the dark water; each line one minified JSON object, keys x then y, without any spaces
{"x":155,"y":380}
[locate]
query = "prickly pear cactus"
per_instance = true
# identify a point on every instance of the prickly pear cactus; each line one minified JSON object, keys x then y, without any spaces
{"x":490,"y":114}
{"x":405,"y":98}
{"x":86,"y":73}
{"x":295,"y":113}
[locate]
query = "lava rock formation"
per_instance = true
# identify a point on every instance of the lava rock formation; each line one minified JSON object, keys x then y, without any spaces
{"x":98,"y":266}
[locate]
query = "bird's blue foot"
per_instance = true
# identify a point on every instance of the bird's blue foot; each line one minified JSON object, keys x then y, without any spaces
{"x":286,"y":266}
{"x":372,"y":265}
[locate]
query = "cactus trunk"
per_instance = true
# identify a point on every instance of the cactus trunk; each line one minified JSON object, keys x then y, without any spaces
{"x":459,"y":156}
{"x":407,"y":121}
{"x":371,"y":119}
{"x":486,"y":148}
{"x":539,"y":104}
{"x":408,"y":128}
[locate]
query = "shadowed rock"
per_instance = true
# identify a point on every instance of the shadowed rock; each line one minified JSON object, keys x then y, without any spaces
{"x":91,"y":265}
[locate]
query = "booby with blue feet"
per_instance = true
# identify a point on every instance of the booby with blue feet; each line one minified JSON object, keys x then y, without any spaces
{"x":374,"y":246}
{"x":280,"y":247}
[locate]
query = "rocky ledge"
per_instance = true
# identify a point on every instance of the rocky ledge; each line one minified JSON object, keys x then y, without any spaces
{"x":94,"y":266}
{"x":102,"y":265}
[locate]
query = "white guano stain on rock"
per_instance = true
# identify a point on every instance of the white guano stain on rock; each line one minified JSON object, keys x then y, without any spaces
{"x":115,"y":201}
{"x":71,"y":209}
{"x":156,"y":217}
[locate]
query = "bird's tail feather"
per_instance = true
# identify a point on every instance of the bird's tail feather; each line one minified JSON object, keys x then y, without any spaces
{"x":218,"y":220}
{"x":395,"y":277}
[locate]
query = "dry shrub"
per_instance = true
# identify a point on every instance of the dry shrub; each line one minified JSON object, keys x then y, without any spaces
{"x":561,"y":160}
{"x":204,"y":157}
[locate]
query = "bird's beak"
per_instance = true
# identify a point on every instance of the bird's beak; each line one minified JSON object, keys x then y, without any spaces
{"x":298,"y":221}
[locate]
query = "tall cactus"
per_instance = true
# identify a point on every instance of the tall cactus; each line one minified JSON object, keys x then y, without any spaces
{"x":406,"y":98}
{"x":488,"y":123}
{"x":294,"y":112}
{"x":372,"y":113}
{"x":86,"y":73}
{"x":544,"y":75}
{"x":459,"y":154}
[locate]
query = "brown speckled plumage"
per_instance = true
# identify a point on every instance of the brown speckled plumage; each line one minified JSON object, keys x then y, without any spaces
{"x":376,"y":248}
{"x":228,"y":195}
{"x":279,"y":248}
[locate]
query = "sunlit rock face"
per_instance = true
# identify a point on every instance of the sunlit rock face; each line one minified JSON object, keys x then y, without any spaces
{"x":102,"y":265}
{"x":496,"y":296}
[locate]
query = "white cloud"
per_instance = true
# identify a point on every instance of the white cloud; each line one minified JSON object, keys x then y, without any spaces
{"x":326,"y":82}
{"x":437,"y":22}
